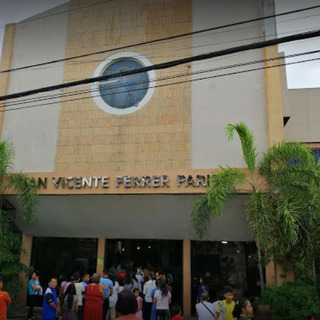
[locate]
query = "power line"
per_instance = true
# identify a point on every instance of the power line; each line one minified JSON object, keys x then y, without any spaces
{"x":177,"y":83}
{"x":247,"y":63}
{"x":170,"y":64}
{"x":187,"y":47}
{"x":161,"y":39}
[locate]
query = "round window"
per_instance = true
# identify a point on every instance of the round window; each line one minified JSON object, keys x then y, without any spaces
{"x":124,"y":94}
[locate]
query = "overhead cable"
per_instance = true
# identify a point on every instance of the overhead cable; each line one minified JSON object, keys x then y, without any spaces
{"x":166,"y":78}
{"x":169,"y":64}
{"x":161,"y":39}
{"x":176,"y":83}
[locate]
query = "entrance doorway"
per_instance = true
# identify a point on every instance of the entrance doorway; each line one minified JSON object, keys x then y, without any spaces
{"x":61,"y":257}
{"x":53,"y":257}
{"x":153,"y":255}
{"x":223,"y":263}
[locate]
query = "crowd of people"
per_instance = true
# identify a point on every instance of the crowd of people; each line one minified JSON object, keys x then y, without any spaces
{"x":225,"y":308}
{"x":128,"y":296}
{"x":104,"y":297}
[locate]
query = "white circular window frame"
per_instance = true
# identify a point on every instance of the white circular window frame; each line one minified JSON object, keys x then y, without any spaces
{"x":95,"y":92}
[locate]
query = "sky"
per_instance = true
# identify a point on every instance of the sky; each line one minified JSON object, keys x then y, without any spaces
{"x":12,"y":11}
{"x":305,"y":75}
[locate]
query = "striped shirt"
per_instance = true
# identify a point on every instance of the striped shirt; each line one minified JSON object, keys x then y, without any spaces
{"x":162,"y":302}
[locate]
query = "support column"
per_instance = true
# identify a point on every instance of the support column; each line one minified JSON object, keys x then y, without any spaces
{"x":5,"y":63}
{"x":273,"y":79}
{"x":25,"y":258}
{"x":186,"y":278}
{"x":274,"y":115}
{"x":282,"y":277}
{"x":274,"y":97}
{"x":100,"y":255}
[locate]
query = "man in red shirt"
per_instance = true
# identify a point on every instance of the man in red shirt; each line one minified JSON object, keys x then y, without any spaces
{"x":4,"y":301}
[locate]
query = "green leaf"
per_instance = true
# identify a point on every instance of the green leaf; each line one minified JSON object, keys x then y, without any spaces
{"x":280,"y":154}
{"x":27,"y":194}
{"x":223,"y":187}
{"x":247,"y":141}
{"x":260,"y":217}
{"x":200,"y":216}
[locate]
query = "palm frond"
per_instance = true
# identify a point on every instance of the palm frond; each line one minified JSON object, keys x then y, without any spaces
{"x":289,"y":218}
{"x":294,"y":174}
{"x":26,"y":195}
{"x":280,"y":154}
{"x":200,"y":216}
{"x":6,"y":157}
{"x":247,"y":141}
{"x":260,"y":216}
{"x":223,"y":187}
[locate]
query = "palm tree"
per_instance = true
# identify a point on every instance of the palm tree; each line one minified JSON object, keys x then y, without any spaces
{"x":282,"y":203}
{"x":10,"y":244}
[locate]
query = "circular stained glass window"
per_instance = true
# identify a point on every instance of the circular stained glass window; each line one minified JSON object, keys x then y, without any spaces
{"x":125,"y":94}
{"x":127,"y":91}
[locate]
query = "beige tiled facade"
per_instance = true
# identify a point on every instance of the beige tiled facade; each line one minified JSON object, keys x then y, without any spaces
{"x":157,"y":137}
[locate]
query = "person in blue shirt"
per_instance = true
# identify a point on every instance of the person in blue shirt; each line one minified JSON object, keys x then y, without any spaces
{"x":32,"y":289}
{"x":202,"y":288}
{"x":84,"y":282}
{"x":50,"y":301}
{"x":107,"y":286}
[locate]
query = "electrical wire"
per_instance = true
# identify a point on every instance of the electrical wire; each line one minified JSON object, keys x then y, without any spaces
{"x":169,"y":64}
{"x":181,"y":48}
{"x":161,"y":39}
{"x":180,"y":82}
{"x":73,"y":93}
{"x":174,"y":83}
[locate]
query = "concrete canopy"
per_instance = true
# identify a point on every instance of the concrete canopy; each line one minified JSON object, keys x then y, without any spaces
{"x":130,"y":217}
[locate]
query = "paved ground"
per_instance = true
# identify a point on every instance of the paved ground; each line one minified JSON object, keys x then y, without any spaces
{"x":17,"y":311}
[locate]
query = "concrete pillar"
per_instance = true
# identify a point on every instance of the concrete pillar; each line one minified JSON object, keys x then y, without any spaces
{"x":25,"y":258}
{"x":274,"y":113}
{"x":282,"y":277}
{"x":186,"y":278}
{"x":273,"y":97}
{"x":272,"y":78}
{"x":100,"y":255}
{"x":5,"y":63}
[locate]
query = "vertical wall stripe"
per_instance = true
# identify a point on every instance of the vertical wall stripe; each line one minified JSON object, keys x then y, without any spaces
{"x":273,"y":97}
{"x":5,"y":64}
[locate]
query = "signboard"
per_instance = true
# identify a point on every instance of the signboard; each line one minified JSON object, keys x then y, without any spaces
{"x":124,"y":181}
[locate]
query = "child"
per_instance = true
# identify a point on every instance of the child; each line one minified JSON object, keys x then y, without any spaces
{"x":4,"y":301}
{"x":243,"y":309}
{"x":70,"y":303}
{"x":139,"y":302}
{"x":38,"y":286}
{"x":176,"y":311}
{"x":226,"y":306}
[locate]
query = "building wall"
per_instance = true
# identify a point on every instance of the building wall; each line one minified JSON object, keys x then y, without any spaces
{"x":230,"y":99}
{"x":181,"y":127}
{"x":302,"y":106}
{"x":157,"y":137}
{"x":34,"y":131}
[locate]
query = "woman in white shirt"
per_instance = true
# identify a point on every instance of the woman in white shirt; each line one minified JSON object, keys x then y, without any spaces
{"x":147,"y":290}
{"x":113,"y":299}
{"x":162,"y":299}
